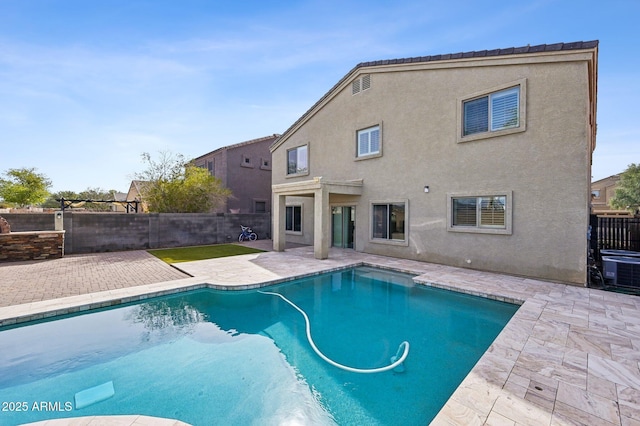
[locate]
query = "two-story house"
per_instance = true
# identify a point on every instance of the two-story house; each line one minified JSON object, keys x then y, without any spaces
{"x":244,"y":168}
{"x":602,"y":191}
{"x":479,"y":159}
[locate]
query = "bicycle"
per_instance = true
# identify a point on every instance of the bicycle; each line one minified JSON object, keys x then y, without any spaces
{"x":594,"y":277}
{"x":247,"y":234}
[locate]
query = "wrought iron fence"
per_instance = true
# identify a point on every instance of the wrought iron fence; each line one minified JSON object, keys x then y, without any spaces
{"x":618,"y":233}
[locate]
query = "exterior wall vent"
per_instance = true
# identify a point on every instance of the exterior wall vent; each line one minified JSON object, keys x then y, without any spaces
{"x":361,"y":84}
{"x":355,"y":87}
{"x":366,"y":82}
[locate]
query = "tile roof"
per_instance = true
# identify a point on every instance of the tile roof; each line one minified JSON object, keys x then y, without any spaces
{"x":274,"y":137}
{"x":576,"y":45}
{"x":484,"y":53}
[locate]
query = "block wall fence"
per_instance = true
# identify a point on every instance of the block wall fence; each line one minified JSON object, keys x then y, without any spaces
{"x":103,"y":232}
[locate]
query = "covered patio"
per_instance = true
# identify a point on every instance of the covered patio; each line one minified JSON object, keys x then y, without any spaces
{"x":321,"y":190}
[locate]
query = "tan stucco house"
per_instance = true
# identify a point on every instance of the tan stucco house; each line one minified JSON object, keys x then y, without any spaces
{"x":136,"y":188}
{"x":244,"y":168}
{"x":453,"y":159}
{"x":602,"y":191}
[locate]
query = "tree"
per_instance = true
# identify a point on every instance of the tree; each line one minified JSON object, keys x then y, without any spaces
{"x":173,"y":185}
{"x":627,"y":194}
{"x":24,"y":187}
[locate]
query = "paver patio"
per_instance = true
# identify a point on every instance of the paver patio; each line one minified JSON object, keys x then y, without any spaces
{"x":570,"y":355}
{"x":26,"y":282}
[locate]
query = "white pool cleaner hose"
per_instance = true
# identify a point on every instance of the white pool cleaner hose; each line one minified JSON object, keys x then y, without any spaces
{"x":396,"y":362}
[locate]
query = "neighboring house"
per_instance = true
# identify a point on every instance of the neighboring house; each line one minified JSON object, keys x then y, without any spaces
{"x":478,"y":159}
{"x":602,"y":191}
{"x":120,"y":205}
{"x":244,"y":168}
{"x":135,"y":194}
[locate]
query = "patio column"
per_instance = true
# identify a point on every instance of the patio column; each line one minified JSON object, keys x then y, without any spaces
{"x":321,"y":223}
{"x":279,"y":219}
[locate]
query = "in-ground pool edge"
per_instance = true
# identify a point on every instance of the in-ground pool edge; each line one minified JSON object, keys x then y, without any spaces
{"x":34,"y":311}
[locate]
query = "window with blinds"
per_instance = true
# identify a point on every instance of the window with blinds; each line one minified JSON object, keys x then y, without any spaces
{"x":368,"y":141}
{"x":494,"y":112}
{"x":476,"y":116}
{"x":479,"y":212}
{"x":464,"y":211}
{"x":492,"y":211}
{"x":505,"y":109}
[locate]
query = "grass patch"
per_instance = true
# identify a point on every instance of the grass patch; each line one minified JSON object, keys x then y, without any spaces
{"x":188,"y":254}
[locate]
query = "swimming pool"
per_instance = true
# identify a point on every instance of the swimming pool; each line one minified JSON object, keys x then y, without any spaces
{"x":216,"y":357}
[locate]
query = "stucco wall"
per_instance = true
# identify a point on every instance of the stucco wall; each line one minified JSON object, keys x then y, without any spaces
{"x":249,"y":181}
{"x":252,"y":180}
{"x":100,"y":232}
{"x":546,"y":167}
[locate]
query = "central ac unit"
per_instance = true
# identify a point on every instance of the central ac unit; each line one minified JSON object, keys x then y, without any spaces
{"x":622,"y":271}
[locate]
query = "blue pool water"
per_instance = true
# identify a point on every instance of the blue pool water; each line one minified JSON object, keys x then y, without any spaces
{"x":213,"y":357}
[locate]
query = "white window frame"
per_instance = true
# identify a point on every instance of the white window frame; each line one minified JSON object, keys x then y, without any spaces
{"x":292,"y":230}
{"x":507,"y":229}
{"x":492,"y":95}
{"x":298,"y":150}
{"x":367,"y":133}
{"x":389,"y":240}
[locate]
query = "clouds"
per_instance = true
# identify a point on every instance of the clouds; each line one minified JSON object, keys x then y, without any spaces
{"x":95,"y":84}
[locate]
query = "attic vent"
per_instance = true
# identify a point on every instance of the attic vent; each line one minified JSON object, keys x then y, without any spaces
{"x":366,"y":82}
{"x":355,"y":87}
{"x":361,"y":84}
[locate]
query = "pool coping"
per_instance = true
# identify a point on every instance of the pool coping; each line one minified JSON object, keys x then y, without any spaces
{"x":569,"y":355}
{"x":42,"y":310}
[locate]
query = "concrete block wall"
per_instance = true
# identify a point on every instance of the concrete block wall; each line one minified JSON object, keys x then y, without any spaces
{"x":20,"y":222}
{"x":101,"y":232}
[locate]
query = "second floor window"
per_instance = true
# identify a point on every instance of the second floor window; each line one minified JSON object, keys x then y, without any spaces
{"x":369,"y":141}
{"x":493,"y":112}
{"x":297,"y":160}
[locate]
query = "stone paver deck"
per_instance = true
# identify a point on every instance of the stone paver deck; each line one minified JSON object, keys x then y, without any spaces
{"x":569,"y":356}
{"x":26,"y":282}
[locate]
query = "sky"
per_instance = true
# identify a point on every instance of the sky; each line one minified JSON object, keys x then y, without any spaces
{"x":86,"y":87}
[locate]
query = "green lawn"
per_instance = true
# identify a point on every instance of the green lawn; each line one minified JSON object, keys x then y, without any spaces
{"x":187,"y":254}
